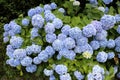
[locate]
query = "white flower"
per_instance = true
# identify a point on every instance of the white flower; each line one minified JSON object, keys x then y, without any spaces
{"x":76,"y":3}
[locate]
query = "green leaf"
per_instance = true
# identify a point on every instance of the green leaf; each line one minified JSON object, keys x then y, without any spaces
{"x":19,"y":67}
{"x":21,"y":73}
{"x":67,"y":19}
{"x":75,"y":21}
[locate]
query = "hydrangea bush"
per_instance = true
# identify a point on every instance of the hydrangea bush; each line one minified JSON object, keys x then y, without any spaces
{"x":68,"y":49}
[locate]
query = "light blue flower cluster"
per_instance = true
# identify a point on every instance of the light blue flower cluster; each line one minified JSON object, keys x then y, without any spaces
{"x":25,"y":22}
{"x":78,"y":75}
{"x":107,"y":1}
{"x":111,"y":55}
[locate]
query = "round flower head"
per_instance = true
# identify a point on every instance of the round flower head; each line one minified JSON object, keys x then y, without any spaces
{"x":78,"y":49}
{"x":57,"y":23}
{"x":117,"y":48}
{"x":53,"y":5}
{"x":78,"y":75}
{"x":111,"y":55}
{"x":101,"y":9}
{"x":50,"y":51}
{"x":49,"y":28}
{"x":36,"y":60}
{"x":47,"y":7}
{"x":93,"y":2}
{"x":95,"y":45}
{"x":102,"y":57}
{"x":31,"y":68}
{"x":62,"y":36}
{"x":25,"y":22}
{"x":13,"y":62}
{"x":11,"y":33}
{"x":62,"y":10}
{"x":43,"y":56}
{"x":50,"y":38}
{"x":34,"y":33}
{"x":117,"y":41}
{"x":61,"y":69}
{"x":108,"y":22}
{"x":97,"y":25}
{"x":69,"y":43}
{"x":97,"y":76}
{"x":37,"y":21}
{"x":98,"y":69}
{"x":48,"y":72}
{"x":103,"y":43}
{"x":90,"y":76}
{"x":26,"y":61}
{"x":82,"y":41}
{"x":75,"y":33}
{"x":65,"y":29}
{"x":111,"y":43}
{"x":65,"y":77}
{"x":117,"y":17}
{"x":49,"y":16}
{"x":38,"y":10}
{"x":101,"y":35}
{"x":118,"y":29}
{"x":58,"y":45}
{"x":31,"y":12}
{"x":16,"y":42}
{"x":107,"y":1}
{"x":6,"y":27}
{"x":5,"y":39}
{"x":19,"y":54}
{"x":16,"y":29}
{"x":52,"y":77}
{"x":76,"y":3}
{"x":5,"y":34}
{"x":89,"y":30}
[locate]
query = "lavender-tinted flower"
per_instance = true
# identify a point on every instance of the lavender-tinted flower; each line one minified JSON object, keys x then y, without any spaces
{"x":78,"y":49}
{"x":81,"y":41}
{"x":11,"y":33}
{"x":89,"y":30}
{"x":5,"y":34}
{"x":118,"y":29}
{"x":101,"y":35}
{"x":47,"y":7}
{"x":108,"y":22}
{"x":61,"y":69}
{"x":97,"y":25}
{"x":43,"y":56}
{"x":31,"y":12}
{"x":93,"y":2}
{"x":36,"y":60}
{"x":110,"y":43}
{"x":31,"y":68}
{"x":19,"y":54}
{"x":49,"y":16}
{"x":25,"y":22}
{"x":48,"y":72}
{"x":37,"y":21}
{"x":65,"y":77}
{"x":5,"y":39}
{"x":16,"y":42}
{"x":107,"y":1}
{"x":49,"y":28}
{"x":62,"y":36}
{"x":38,"y":10}
{"x":117,"y":41}
{"x":98,"y":69}
{"x":117,"y":48}
{"x":26,"y":61}
{"x":16,"y":29}
{"x":90,"y":76}
{"x":95,"y":45}
{"x":57,"y":23}
{"x":103,"y":43}
{"x":69,"y":43}
{"x":58,"y":45}
{"x":75,"y":33}
{"x":50,"y":51}
{"x":97,"y":76}
{"x":102,"y":57}
{"x":53,"y":5}
{"x":50,"y":38}
{"x":13,"y":62}
{"x":34,"y":32}
{"x":78,"y":75}
{"x":62,"y":10}
{"x":6,"y":27}
{"x":65,"y":29}
{"x":117,"y":17}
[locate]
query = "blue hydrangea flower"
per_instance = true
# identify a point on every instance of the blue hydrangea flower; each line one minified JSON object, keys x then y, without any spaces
{"x":50,"y":38}
{"x":117,"y":17}
{"x":98,"y":69}
{"x":110,"y":43}
{"x":69,"y":43}
{"x":6,"y":27}
{"x":101,"y":35}
{"x":111,"y":55}
{"x":89,"y":30}
{"x":97,"y":76}
{"x":53,"y":5}
{"x":16,"y":42}
{"x":93,"y":2}
{"x":9,"y":54}
{"x":90,"y":76}
{"x":5,"y":39}
{"x":65,"y":77}
{"x":16,"y":29}
{"x":78,"y":75}
{"x":102,"y":57}
{"x":75,"y":33}
{"x":57,"y":23}
{"x":43,"y":56}
{"x":35,"y":48}
{"x":50,"y":51}
{"x":26,"y":61}
{"x":13,"y":62}
{"x":34,"y":33}
{"x":117,"y":48}
{"x":106,"y":10}
{"x":19,"y":54}
{"x":37,"y":21}
{"x":62,"y":36}
{"x":5,"y":34}
{"x":31,"y":68}
{"x":25,"y":22}
{"x":58,"y":45}
{"x":118,"y":29}
{"x":81,"y":41}
{"x":117,"y":41}
{"x":36,"y":60}
{"x":48,"y":72}
{"x":47,"y":7}
{"x":107,"y":1}
{"x":11,"y":33}
{"x":118,"y":75}
{"x":10,"y":48}
{"x":118,"y":55}
{"x":31,"y":12}
{"x":62,"y":10}
{"x":49,"y":16}
{"x":78,"y":49}
{"x":49,"y":28}
{"x":52,"y":77}
{"x":65,"y":29}
{"x":39,"y":10}
{"x":95,"y":45}
{"x":61,"y":69}
{"x":97,"y":25}
{"x":103,"y":43}
{"x":47,"y":12}
{"x":108,"y":22}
